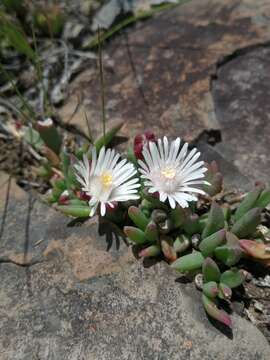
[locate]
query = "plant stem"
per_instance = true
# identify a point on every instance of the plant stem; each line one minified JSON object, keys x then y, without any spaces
{"x":102,"y":87}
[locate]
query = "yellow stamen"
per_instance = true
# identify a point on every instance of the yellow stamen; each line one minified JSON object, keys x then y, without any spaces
{"x":106,"y":179}
{"x":168,"y":173}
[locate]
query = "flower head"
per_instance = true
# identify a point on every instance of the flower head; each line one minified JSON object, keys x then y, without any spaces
{"x":172,"y":172}
{"x":106,"y":179}
{"x":142,"y":140}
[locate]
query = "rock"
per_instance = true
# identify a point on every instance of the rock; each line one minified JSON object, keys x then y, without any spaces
{"x":34,"y":232}
{"x":241,"y":92}
{"x":135,"y":314}
{"x":162,"y":79}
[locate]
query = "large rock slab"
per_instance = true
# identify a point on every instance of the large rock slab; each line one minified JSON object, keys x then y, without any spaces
{"x":158,"y":74}
{"x":135,"y":314}
{"x":241,"y":94}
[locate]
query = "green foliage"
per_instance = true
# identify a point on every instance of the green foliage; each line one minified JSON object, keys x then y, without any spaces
{"x":16,"y":37}
{"x":215,"y":220}
{"x":189,"y":262}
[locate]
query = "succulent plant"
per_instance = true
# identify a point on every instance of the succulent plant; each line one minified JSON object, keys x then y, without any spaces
{"x":208,"y":239}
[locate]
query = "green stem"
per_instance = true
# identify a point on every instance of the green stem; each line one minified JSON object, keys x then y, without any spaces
{"x":102,"y":87}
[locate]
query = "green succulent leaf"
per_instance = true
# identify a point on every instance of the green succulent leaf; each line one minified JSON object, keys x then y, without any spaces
{"x":225,"y":292}
{"x":74,"y":210}
{"x":264,"y":199}
{"x":247,"y":203}
{"x":215,"y":221}
{"x":191,"y":226}
{"x":229,"y":255}
{"x":188,"y":262}
{"x":210,"y":270}
{"x":136,"y":235}
{"x":247,"y":224}
{"x":150,"y":251}
{"x":167,"y":249}
{"x":181,"y":243}
{"x":50,"y":135}
{"x":208,"y":244}
{"x":151,"y":232}
{"x":210,"y":289}
{"x":138,"y":217}
{"x":178,"y":216}
{"x":232,"y":278}
{"x":214,"y":312}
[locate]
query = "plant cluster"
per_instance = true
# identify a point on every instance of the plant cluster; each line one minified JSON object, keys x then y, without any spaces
{"x":175,"y":210}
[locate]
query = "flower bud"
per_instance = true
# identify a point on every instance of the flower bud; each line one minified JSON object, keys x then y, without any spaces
{"x":142,"y":140}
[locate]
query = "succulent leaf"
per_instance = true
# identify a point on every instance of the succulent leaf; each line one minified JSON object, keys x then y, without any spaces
{"x":247,"y":224}
{"x":150,"y":251}
{"x":151,"y":232}
{"x":247,"y":203}
{"x":136,"y":235}
{"x":256,"y":250}
{"x":191,"y":225}
{"x":210,"y":289}
{"x":167,"y":249}
{"x":216,"y":313}
{"x":138,"y":217}
{"x":210,"y":270}
{"x":181,"y":243}
{"x":264,"y":199}
{"x":225,"y":292}
{"x":50,"y":135}
{"x":74,"y":210}
{"x":232,"y":278}
{"x":208,"y":244}
{"x":215,"y":221}
{"x":229,"y":255}
{"x":188,"y":262}
{"x":178,"y":216}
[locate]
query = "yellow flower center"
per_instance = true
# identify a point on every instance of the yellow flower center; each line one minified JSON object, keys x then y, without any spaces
{"x":106,"y":179}
{"x":168,"y":173}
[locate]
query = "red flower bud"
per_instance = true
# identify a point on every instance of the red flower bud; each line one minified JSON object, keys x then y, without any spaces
{"x":142,"y":140}
{"x":83,"y":196}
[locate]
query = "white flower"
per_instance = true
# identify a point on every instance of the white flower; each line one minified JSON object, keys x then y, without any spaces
{"x":172,"y":171}
{"x":106,"y":179}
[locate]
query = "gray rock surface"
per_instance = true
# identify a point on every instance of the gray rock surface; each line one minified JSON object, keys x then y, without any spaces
{"x":159,"y":74}
{"x":137,"y":313}
{"x":241,"y":96}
